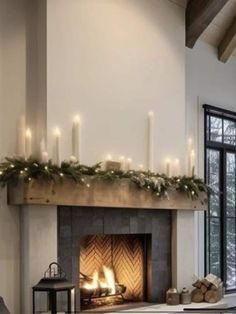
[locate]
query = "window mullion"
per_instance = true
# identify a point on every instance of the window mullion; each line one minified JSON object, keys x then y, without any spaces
{"x":223,"y":215}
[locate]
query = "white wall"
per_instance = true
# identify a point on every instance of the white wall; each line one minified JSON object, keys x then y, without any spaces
{"x":212,"y":82}
{"x":207,"y":81}
{"x":39,"y":249}
{"x":112,"y":61}
{"x":12,"y":103}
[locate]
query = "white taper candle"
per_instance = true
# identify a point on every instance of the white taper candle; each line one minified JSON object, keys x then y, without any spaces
{"x":128,"y":164}
{"x":122,"y":162}
{"x":56,"y":148}
{"x":76,"y":137}
{"x":150,"y":152}
{"x":44,"y":157}
{"x":20,"y":145}
{"x":189,"y":150}
{"x":192,"y":163}
{"x":28,"y":143}
{"x":168,"y":167}
{"x":176,"y":167}
{"x":141,"y":167}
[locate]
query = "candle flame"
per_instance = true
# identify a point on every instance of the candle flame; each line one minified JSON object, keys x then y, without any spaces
{"x":28,"y":133}
{"x":77,"y":119}
{"x":150,"y":113}
{"x":57,"y":132}
{"x":109,"y":157}
{"x":190,"y":141}
{"x":192,"y":153}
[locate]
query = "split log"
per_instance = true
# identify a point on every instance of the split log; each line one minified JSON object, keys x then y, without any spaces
{"x":211,"y":296}
{"x":203,"y":289}
{"x":197,"y":284}
{"x":208,"y":289}
{"x":212,"y":279}
{"x":206,"y":282}
{"x":197,"y":296}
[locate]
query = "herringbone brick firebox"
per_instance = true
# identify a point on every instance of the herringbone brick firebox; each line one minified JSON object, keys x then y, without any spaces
{"x":124,"y":254}
{"x":134,"y":243}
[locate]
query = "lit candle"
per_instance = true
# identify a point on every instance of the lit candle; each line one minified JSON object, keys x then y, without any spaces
{"x":150,"y":152}
{"x":128,"y":164}
{"x":122,"y":162}
{"x":176,"y":167}
{"x":73,"y":159}
{"x":43,"y":150}
{"x":192,"y":163}
{"x":168,"y":167}
{"x":72,"y":300}
{"x":56,"y":152}
{"x":140,"y":167}
{"x":108,"y":157}
{"x":189,"y":150}
{"x":44,"y":157}
{"x":21,"y":134}
{"x":28,"y":143}
{"x":76,"y":138}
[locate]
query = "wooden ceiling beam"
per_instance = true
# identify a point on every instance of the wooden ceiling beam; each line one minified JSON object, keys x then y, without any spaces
{"x":199,"y":14}
{"x":228,"y":43}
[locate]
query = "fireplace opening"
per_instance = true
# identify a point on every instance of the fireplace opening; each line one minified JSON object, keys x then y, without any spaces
{"x":135,"y":244}
{"x":113,"y":269}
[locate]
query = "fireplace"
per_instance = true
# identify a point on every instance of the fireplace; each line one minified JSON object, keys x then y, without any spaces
{"x":115,"y":256}
{"x":113,"y":269}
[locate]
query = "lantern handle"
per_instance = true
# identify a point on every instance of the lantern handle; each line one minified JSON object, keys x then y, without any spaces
{"x":54,"y":271}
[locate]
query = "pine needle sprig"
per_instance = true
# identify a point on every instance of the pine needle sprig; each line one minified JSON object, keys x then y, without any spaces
{"x":14,"y":169}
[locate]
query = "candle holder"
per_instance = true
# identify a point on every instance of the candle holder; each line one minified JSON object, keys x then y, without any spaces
{"x":113,"y":165}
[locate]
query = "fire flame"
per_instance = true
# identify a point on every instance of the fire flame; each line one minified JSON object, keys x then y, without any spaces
{"x":108,"y":282}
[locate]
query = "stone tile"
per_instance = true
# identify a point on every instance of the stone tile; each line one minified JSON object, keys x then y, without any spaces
{"x":116,"y":221}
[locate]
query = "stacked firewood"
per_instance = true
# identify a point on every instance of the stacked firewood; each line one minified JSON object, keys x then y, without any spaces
{"x":208,"y":289}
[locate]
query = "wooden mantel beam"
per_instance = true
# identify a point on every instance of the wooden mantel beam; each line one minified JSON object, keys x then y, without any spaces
{"x":228,"y":43}
{"x":121,"y":194}
{"x":199,"y":14}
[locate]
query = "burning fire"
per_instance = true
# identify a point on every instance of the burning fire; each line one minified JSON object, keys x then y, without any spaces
{"x":107,"y":282}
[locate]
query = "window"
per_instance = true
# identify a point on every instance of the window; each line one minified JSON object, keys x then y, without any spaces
{"x":220,"y":174}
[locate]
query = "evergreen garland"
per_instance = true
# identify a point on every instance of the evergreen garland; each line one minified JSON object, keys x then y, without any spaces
{"x":14,"y":169}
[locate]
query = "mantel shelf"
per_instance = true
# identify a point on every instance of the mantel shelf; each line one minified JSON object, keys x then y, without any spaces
{"x":100,"y":194}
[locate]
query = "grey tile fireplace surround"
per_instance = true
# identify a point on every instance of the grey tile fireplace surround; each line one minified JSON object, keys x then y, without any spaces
{"x":77,"y":222}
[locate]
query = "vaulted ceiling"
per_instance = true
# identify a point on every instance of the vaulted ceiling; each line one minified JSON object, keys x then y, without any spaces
{"x":213,"y":21}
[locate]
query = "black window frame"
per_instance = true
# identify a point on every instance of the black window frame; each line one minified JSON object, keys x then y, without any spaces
{"x":223,"y":149}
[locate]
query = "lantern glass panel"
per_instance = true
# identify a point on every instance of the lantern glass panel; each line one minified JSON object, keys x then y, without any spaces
{"x":62,"y":300}
{"x":41,"y":302}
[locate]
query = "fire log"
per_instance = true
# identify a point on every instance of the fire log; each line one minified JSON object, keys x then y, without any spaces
{"x":208,"y":289}
{"x":197,"y":296}
{"x":197,"y":284}
{"x":203,"y":288}
{"x":211,"y":296}
{"x":212,"y":279}
{"x":206,"y":282}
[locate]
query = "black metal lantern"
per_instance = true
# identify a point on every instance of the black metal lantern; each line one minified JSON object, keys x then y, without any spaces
{"x":54,"y":282}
